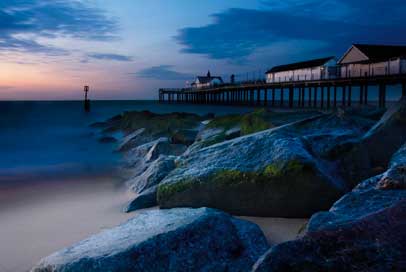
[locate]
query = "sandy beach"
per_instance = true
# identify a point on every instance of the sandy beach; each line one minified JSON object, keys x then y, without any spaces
{"x":40,"y":218}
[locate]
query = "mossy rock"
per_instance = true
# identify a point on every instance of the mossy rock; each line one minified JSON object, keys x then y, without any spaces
{"x":281,"y":190}
{"x":250,"y":122}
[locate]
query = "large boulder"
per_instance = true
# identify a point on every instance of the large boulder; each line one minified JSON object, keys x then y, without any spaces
{"x":374,"y":243}
{"x":271,"y":173}
{"x":371,"y":154}
{"x":165,"y":240}
{"x":364,"y":231}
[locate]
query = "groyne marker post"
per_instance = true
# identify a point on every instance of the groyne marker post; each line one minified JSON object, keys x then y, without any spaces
{"x":87,"y":101}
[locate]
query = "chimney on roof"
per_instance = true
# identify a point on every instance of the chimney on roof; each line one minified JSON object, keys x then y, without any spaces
{"x":208,"y":74}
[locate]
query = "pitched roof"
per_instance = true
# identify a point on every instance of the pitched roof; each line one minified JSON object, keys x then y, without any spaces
{"x":300,"y":65}
{"x":381,"y":52}
{"x":205,"y":79}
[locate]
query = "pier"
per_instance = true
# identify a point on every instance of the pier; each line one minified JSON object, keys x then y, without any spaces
{"x":325,"y":93}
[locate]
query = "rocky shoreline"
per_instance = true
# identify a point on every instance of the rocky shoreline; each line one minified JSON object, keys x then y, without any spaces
{"x":292,"y":165}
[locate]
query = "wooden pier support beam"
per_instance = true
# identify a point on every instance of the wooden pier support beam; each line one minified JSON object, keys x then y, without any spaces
{"x":259,"y":97}
{"x":266,"y":97}
{"x":382,"y":95}
{"x":361,"y":94}
{"x":273,"y":97}
{"x":310,"y":97}
{"x":349,"y":95}
{"x":344,"y":95}
{"x":291,"y":96}
{"x":315,"y":97}
{"x":328,"y":97}
{"x":252,"y":97}
{"x":282,"y":96}
{"x":299,"y":97}
{"x":303,"y":96}
{"x":335,"y":97}
{"x":366,"y":94}
{"x":322,"y":97}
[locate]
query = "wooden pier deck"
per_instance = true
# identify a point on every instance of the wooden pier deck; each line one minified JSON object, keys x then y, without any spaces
{"x":321,"y":93}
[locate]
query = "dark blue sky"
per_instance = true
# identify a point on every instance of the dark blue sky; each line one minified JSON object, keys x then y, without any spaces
{"x":128,"y":49}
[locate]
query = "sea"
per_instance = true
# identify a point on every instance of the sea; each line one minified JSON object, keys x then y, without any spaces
{"x":44,"y":139}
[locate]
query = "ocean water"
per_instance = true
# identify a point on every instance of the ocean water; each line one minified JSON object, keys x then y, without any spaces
{"x":42,"y":139}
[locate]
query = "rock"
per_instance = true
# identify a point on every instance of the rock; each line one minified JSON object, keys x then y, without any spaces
{"x":128,"y":141}
{"x":184,"y":136}
{"x":146,"y":199}
{"x":375,"y":148}
{"x":270,"y":173}
{"x":107,"y":140}
{"x":208,"y":134}
{"x":165,"y":240}
{"x":376,"y":242}
{"x":390,"y":130}
{"x":153,"y":175}
{"x":364,"y":231}
{"x":233,"y":133}
{"x":164,"y":147}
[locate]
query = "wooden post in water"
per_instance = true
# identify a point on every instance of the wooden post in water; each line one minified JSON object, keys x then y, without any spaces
{"x":382,"y":95}
{"x":366,"y":94}
{"x":310,"y":97}
{"x":87,"y":101}
{"x":266,"y":97}
{"x":322,"y":97}
{"x":282,"y":98}
{"x":299,"y":97}
{"x":315,"y":97}
{"x":273,"y":97}
{"x":361,"y":94}
{"x":291,"y":97}
{"x":259,"y":97}
{"x":335,"y":96}
{"x":349,"y":95}
{"x":344,"y":98}
{"x":328,"y":96}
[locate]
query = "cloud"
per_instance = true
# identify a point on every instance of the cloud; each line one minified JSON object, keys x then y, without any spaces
{"x":23,"y":22}
{"x":116,"y":57}
{"x":236,"y":33}
{"x":163,"y":72}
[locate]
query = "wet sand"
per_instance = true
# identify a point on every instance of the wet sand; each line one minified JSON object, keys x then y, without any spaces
{"x":40,"y":218}
{"x":278,"y":230}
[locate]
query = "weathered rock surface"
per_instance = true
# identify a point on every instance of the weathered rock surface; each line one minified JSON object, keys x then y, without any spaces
{"x":232,"y":133}
{"x":271,"y":173}
{"x":374,"y":150}
{"x":129,"y":141}
{"x":364,"y":231}
{"x":146,"y":199}
{"x":172,"y":240}
{"x":184,"y":136}
{"x":153,"y":175}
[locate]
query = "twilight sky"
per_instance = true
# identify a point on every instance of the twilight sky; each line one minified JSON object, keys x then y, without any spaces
{"x":127,"y":49}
